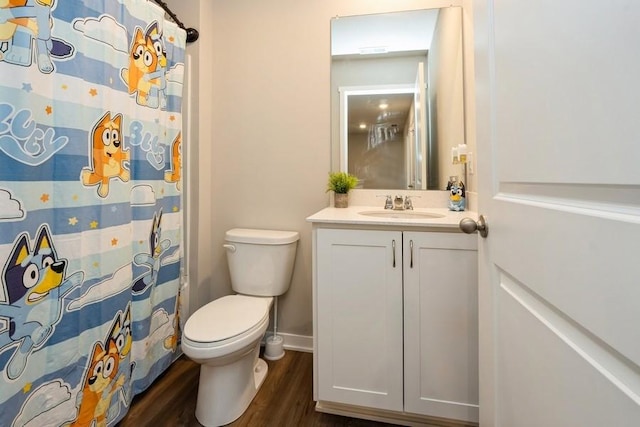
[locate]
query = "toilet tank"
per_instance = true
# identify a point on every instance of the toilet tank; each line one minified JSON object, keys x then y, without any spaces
{"x":260,"y":261}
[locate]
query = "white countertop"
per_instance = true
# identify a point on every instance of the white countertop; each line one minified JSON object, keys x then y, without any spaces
{"x":351,"y":215}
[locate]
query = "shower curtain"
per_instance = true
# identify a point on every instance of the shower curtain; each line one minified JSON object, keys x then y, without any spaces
{"x":90,"y":207}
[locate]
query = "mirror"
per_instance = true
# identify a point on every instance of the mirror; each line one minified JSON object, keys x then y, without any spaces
{"x":397,"y":97}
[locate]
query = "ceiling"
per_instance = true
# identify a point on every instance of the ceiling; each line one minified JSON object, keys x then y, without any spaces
{"x":366,"y":109}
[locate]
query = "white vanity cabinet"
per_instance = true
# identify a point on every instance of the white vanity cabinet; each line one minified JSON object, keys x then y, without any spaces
{"x":441,"y":325}
{"x":359,"y":317}
{"x":396,"y":323}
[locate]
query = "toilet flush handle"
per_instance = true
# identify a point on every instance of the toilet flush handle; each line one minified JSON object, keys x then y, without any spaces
{"x":230,"y":248}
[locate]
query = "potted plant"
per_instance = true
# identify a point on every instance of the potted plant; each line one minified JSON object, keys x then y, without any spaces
{"x":340,"y":183}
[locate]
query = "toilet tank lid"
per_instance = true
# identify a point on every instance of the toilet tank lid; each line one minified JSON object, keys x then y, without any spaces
{"x":261,"y":237}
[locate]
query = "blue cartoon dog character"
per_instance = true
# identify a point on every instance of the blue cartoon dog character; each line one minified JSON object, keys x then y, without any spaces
{"x":35,"y":286}
{"x":152,"y":260}
{"x":457,"y":196}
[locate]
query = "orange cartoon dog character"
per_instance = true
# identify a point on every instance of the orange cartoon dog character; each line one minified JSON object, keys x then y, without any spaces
{"x":107,"y":155}
{"x":99,"y":385}
{"x":145,"y":58}
{"x":9,"y":23}
{"x":174,"y":174}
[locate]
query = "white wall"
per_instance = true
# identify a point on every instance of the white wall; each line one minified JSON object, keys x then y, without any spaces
{"x":263,"y":128}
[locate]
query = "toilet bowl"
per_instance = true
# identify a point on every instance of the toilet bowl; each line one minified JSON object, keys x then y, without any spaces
{"x":224,"y":335}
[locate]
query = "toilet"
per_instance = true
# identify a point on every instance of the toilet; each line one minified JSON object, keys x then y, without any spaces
{"x":224,"y":335}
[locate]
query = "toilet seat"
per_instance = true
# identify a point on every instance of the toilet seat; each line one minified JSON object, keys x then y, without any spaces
{"x":227,"y":319}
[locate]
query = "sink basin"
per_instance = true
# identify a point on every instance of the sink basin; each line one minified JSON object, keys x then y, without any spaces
{"x":401,"y":214}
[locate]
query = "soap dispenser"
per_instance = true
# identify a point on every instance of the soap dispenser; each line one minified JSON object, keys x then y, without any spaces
{"x":456,"y":194}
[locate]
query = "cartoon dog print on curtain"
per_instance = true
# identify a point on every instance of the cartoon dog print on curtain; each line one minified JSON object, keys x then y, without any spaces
{"x":107,"y":155}
{"x":22,"y":21}
{"x":146,"y":75}
{"x":35,"y":284}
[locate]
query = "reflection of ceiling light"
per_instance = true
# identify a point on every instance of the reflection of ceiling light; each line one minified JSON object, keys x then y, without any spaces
{"x":383,"y":105}
{"x":383,"y":116}
{"x":363,"y":125}
{"x":372,"y":50}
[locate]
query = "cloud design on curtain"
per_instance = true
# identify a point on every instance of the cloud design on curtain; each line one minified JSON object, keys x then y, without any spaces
{"x":10,"y":208}
{"x":104,"y":29}
{"x":115,"y":284}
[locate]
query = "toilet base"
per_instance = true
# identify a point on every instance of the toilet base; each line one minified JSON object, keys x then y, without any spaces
{"x":226,"y":391}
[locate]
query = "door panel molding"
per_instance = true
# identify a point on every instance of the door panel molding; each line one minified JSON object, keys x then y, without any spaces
{"x":568,"y":258}
{"x":543,"y":380}
{"x":616,"y":202}
{"x":612,"y":365}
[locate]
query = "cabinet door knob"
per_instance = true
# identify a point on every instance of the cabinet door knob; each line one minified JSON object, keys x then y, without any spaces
{"x":469,"y":226}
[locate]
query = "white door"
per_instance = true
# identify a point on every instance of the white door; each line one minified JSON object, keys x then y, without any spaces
{"x":558,"y":116}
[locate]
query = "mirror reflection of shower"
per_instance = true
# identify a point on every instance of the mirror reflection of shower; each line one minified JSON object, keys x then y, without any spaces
{"x":386,"y":51}
{"x":378,"y":126}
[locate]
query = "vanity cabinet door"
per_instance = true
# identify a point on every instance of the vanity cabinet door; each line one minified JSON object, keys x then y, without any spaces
{"x":441,"y":325}
{"x":359,"y":317}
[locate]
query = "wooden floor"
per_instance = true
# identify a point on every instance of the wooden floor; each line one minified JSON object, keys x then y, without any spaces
{"x":284,"y":400}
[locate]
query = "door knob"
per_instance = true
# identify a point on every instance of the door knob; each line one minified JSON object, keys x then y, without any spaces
{"x":469,"y":226}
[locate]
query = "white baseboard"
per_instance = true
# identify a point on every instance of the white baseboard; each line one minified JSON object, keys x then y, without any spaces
{"x":294,"y":342}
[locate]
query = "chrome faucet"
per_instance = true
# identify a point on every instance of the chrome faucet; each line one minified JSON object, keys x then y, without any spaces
{"x":398,"y":203}
{"x":408,"y":204}
{"x":388,"y":203}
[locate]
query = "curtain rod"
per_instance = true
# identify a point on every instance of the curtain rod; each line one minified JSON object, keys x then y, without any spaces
{"x":192,"y":33}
